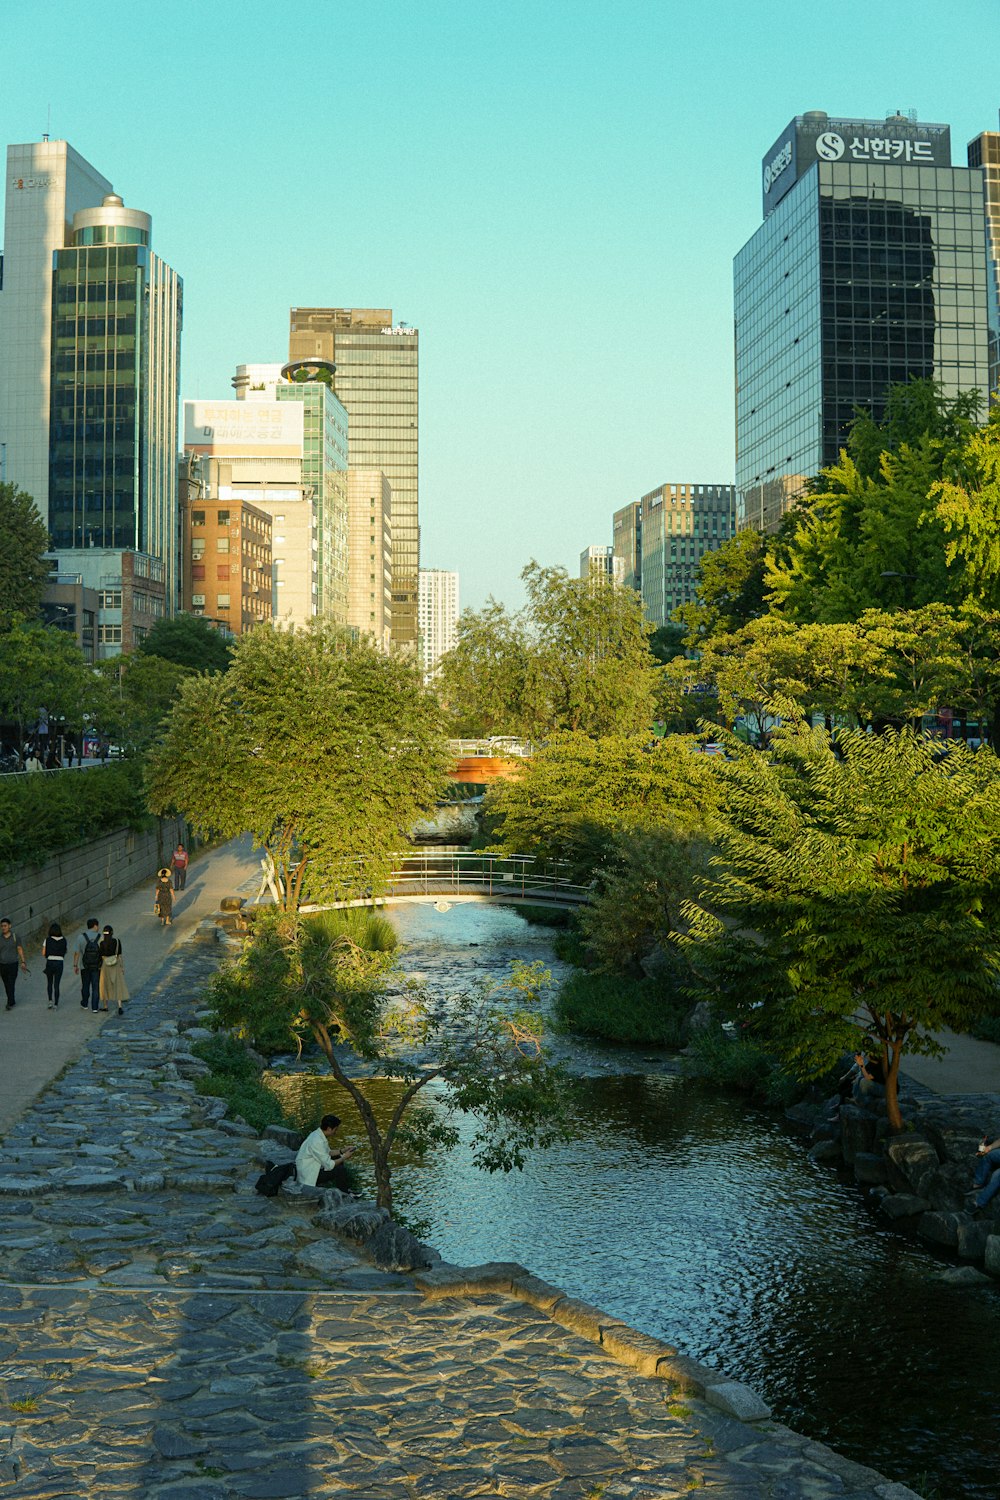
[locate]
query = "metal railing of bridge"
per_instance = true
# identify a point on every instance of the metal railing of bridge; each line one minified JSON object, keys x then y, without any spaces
{"x":501,"y":877}
{"x":504,"y":747}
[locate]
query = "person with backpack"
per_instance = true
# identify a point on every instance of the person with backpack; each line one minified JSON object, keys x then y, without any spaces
{"x":112,"y":971}
{"x":87,"y":960}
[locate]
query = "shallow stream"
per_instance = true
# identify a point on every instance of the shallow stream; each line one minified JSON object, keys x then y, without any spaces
{"x":703,"y":1221}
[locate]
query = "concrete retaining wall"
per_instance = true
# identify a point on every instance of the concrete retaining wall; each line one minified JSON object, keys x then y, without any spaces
{"x":79,"y":882}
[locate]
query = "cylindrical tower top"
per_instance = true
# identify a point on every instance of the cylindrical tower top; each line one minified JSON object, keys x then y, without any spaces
{"x":111,"y":224}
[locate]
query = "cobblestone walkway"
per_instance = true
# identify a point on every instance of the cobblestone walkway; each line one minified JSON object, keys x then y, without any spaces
{"x":164,"y":1332}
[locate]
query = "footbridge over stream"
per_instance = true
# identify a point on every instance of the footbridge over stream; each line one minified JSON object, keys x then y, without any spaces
{"x":447,"y":876}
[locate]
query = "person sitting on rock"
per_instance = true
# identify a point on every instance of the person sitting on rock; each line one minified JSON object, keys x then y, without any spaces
{"x":314,"y":1164}
{"x":986,"y":1172}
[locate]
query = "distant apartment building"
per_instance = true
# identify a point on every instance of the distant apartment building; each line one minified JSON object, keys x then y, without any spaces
{"x":438,"y":616}
{"x":90,"y":325}
{"x":662,"y":538}
{"x":602,"y":565}
{"x":252,"y":451}
{"x":369,"y":554}
{"x":377,"y":378}
{"x":226,"y":561}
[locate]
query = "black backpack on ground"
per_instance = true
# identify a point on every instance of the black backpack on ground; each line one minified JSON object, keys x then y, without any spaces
{"x":269,"y":1182}
{"x":92,"y":952}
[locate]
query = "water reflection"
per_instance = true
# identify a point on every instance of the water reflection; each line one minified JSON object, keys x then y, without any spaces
{"x":704,"y":1222}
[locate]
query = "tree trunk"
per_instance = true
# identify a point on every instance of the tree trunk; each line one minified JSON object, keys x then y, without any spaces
{"x":380,"y":1156}
{"x":892,"y":1110}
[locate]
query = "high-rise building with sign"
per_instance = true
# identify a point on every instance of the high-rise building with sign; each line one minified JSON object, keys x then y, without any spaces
{"x":438,"y":611}
{"x":377,"y":380}
{"x":869,"y":269}
{"x":90,"y":324}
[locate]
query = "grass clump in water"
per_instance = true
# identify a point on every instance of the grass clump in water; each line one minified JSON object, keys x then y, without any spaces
{"x":621,"y":1009}
{"x":740,"y":1065}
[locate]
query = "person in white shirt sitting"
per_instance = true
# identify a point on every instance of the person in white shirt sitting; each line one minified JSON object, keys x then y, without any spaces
{"x":316,"y":1165}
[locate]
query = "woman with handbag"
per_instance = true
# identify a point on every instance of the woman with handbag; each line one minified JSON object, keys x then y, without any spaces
{"x":113,"y":986}
{"x":163,"y":897}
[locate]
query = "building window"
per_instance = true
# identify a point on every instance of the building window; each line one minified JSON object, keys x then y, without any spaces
{"x":109,"y":635}
{"x":197,"y":518}
{"x":222,"y":544}
{"x":198,"y":600}
{"x":110,"y":598}
{"x":222,"y":571}
{"x":222,"y":601}
{"x":197,"y":573}
{"x":198,"y":548}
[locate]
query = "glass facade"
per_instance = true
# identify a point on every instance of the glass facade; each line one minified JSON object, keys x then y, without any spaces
{"x":377,"y":381}
{"x":984,"y":152}
{"x":115,"y":391}
{"x":678,"y":524}
{"x":324,"y":477}
{"x":863,"y":275}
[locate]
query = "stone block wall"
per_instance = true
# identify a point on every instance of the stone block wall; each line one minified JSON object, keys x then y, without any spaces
{"x":79,"y":882}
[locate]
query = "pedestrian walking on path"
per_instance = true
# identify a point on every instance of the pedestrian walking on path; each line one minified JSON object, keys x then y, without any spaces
{"x":54,"y":954}
{"x":163,"y":897}
{"x":179,"y":865}
{"x":87,"y":962}
{"x":11,"y":956}
{"x":113,"y":988}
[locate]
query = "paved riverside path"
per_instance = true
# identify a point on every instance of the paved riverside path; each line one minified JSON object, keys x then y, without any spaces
{"x":166,"y":1334}
{"x":35,"y":1043}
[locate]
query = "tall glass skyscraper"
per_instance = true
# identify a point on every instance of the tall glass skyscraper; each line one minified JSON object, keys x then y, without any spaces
{"x":869,"y":269}
{"x":377,"y":380}
{"x":115,"y":390}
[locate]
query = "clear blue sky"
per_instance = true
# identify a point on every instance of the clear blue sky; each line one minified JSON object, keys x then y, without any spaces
{"x":552,"y":192}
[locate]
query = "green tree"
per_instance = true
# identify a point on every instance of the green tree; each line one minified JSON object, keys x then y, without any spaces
{"x":24,"y":570}
{"x":967,"y":507}
{"x":575,"y":658}
{"x":485,"y":1056}
{"x":319,"y":745}
{"x":188,"y":641}
{"x":573,"y":797}
{"x":856,"y":897}
{"x":42,"y":673}
{"x":874,"y":533}
{"x":135,"y":694}
{"x":630,"y":923}
{"x":730,"y":591}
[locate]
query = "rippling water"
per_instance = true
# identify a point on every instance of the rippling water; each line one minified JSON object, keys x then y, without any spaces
{"x":703,"y":1221}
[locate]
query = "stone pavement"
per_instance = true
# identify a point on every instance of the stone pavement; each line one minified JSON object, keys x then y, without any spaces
{"x":35,"y":1043}
{"x":166,"y":1333}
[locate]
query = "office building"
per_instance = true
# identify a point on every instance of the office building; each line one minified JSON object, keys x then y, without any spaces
{"x":47,"y":183}
{"x":601,"y":565}
{"x":868,"y":269}
{"x":678,"y":524}
{"x":325,"y":441}
{"x":377,"y":381}
{"x":369,"y":554}
{"x":438,"y":616}
{"x":226,"y":561}
{"x":250,"y":452}
{"x":626,"y":531}
{"x":90,"y":324}
{"x":984,"y":153}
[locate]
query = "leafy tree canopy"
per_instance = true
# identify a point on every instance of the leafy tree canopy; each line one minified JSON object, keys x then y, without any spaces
{"x":319,"y":745}
{"x":189,"y":641}
{"x":574,"y":659}
{"x":576,"y":793}
{"x":24,"y":540}
{"x":42,"y":672}
{"x":856,"y":896}
{"x":134,"y":695}
{"x":874,"y":533}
